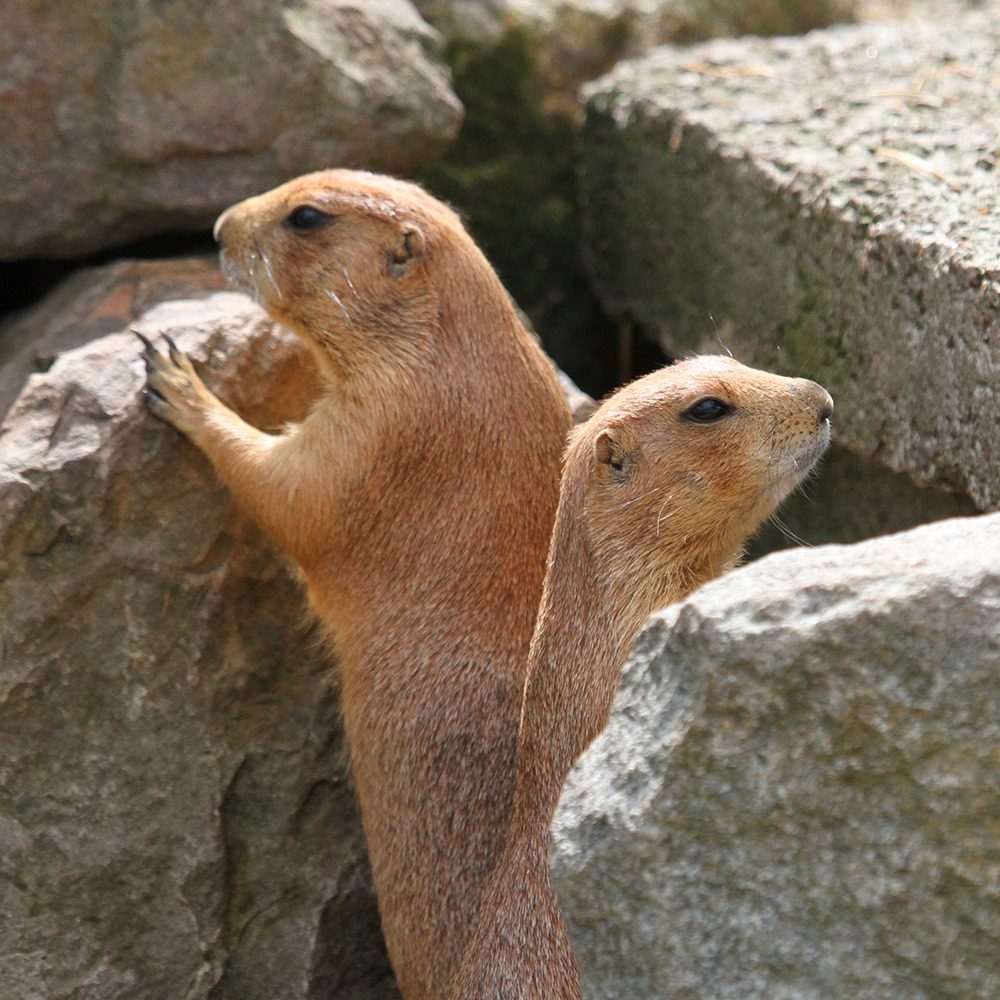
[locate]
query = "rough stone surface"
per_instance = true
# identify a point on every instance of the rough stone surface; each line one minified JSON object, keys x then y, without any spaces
{"x":176,"y":817}
{"x":121,"y":120}
{"x":798,"y":796}
{"x":579,"y":39}
{"x":91,"y":303}
{"x":902,"y":11}
{"x":824,"y":206}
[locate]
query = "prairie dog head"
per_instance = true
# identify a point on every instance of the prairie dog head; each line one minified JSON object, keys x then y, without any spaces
{"x":679,"y":468}
{"x":341,"y":258}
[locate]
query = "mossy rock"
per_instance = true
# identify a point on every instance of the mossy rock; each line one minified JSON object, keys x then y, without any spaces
{"x":512,"y":174}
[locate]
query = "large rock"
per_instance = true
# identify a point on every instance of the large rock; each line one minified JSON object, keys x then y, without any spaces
{"x":121,"y":120}
{"x":578,"y":39}
{"x":797,"y":797}
{"x":824,"y":206}
{"x":176,"y":816}
{"x":91,"y":303}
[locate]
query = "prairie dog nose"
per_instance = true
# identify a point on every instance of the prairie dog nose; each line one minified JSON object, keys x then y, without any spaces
{"x":220,"y":224}
{"x":818,"y":397}
{"x":826,"y":410}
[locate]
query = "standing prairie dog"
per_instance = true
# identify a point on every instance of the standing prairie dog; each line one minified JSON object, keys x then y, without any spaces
{"x":417,"y":499}
{"x":661,"y":489}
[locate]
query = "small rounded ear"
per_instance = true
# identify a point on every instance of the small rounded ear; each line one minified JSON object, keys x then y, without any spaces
{"x":608,"y":450}
{"x":409,"y":247}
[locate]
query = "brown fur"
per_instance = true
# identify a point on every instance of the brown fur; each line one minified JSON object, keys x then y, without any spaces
{"x":418,"y":499}
{"x":651,"y":506}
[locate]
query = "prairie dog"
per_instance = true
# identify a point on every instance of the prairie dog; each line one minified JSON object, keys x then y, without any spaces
{"x":661,"y":488}
{"x":418,"y":499}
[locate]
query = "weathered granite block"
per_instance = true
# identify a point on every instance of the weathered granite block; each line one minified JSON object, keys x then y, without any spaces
{"x":825,"y":206}
{"x":797,"y":797}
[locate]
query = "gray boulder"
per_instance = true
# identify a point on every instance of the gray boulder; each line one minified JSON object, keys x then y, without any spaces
{"x":176,"y":816}
{"x":122,"y":120}
{"x":797,"y":796}
{"x":822,"y":206}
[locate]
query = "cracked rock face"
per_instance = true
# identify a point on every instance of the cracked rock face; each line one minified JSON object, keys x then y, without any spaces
{"x":824,"y":206}
{"x":176,"y":816}
{"x":123,"y":120}
{"x":797,"y":796}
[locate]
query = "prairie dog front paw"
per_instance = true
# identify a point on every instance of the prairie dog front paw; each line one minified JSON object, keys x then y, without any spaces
{"x":174,"y":390}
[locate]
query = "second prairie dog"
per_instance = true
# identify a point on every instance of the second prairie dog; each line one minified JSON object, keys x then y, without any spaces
{"x":661,"y":489}
{"x":417,"y":499}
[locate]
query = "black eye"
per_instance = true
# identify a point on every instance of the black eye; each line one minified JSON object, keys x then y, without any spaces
{"x":305,"y":218}
{"x":708,"y":410}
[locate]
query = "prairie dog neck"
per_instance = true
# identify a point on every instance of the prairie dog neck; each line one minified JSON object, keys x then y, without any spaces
{"x":661,"y":489}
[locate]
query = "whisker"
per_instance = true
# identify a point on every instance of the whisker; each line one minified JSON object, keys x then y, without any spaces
{"x":788,"y":534}
{"x":642,"y":496}
{"x":336,"y":298}
{"x":269,"y":271}
{"x":251,"y":273}
{"x":659,"y":515}
{"x":350,"y":284}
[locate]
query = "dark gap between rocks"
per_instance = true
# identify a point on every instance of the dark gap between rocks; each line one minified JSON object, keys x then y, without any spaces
{"x":850,"y":499}
{"x":23,"y":283}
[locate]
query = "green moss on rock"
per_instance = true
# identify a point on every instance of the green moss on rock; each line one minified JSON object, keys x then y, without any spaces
{"x":512,"y":174}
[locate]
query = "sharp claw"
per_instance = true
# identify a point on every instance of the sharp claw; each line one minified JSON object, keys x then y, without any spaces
{"x":146,"y":342}
{"x":175,"y":354}
{"x":152,"y":396}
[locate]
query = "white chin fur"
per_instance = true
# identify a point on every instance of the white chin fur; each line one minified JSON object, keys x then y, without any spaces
{"x":794,"y":468}
{"x":236,"y":275}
